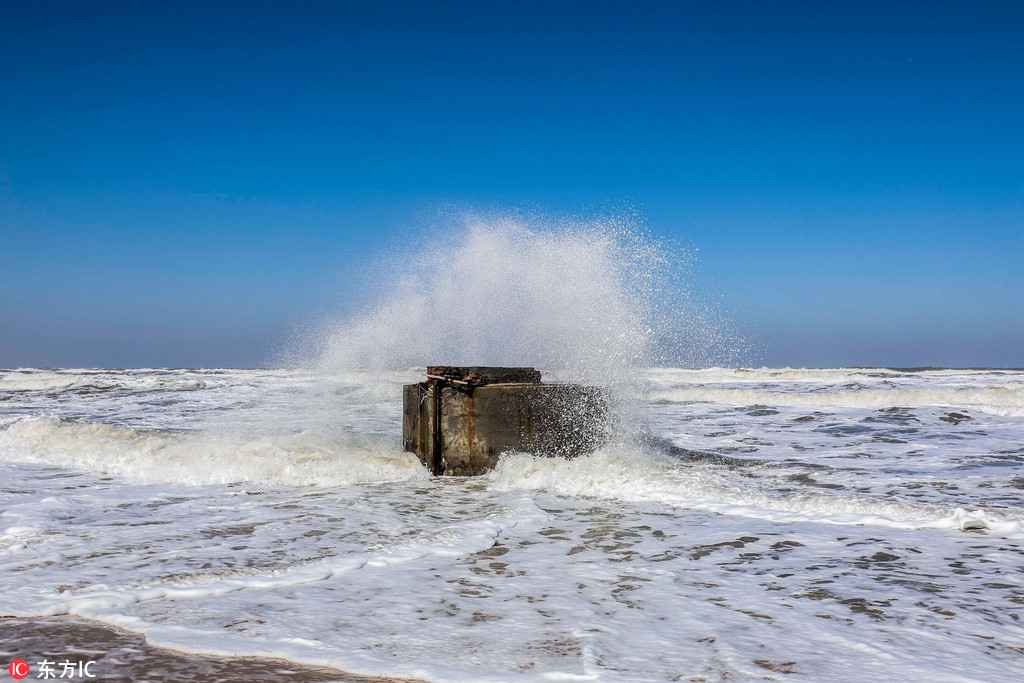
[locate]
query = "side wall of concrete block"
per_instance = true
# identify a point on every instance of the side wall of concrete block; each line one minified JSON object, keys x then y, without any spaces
{"x":478,"y":426}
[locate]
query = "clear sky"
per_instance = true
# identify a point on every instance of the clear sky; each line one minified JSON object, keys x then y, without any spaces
{"x":185,"y":184}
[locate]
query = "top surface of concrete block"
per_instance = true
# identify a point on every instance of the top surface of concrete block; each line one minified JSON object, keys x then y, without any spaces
{"x":490,"y":375}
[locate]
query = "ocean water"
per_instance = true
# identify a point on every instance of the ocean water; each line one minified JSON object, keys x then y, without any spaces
{"x":833,"y":524}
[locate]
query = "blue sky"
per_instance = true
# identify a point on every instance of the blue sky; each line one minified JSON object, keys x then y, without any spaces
{"x":185,"y":185}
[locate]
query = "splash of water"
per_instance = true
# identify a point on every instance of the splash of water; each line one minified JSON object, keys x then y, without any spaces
{"x":589,"y":300}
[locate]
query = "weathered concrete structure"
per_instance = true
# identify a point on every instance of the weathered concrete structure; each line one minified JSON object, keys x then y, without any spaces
{"x":461,"y":419}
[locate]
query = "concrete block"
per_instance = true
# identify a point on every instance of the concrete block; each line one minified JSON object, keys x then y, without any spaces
{"x":458,"y":429}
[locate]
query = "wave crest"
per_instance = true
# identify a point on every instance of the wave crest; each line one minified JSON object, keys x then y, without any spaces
{"x":638,"y":476}
{"x":306,"y":458}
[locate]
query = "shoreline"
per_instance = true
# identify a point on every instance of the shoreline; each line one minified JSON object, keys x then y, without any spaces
{"x":121,"y":655}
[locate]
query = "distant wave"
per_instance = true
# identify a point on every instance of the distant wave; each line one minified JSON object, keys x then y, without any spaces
{"x":43,"y":380}
{"x":813,"y":375}
{"x":36,"y":381}
{"x":1000,"y":400}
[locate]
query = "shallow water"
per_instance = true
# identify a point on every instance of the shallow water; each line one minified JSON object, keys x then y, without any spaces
{"x":115,"y":655}
{"x":833,"y":524}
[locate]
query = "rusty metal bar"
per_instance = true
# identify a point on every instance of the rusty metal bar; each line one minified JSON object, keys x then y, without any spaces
{"x":448,"y":379}
{"x":435,"y":437}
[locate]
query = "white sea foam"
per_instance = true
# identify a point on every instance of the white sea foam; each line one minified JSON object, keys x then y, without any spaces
{"x":640,"y":476}
{"x":829,"y":543}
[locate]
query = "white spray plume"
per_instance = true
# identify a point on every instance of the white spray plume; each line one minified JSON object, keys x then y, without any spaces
{"x":589,"y":300}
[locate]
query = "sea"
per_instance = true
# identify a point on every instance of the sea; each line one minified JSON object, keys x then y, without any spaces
{"x":839,"y":524}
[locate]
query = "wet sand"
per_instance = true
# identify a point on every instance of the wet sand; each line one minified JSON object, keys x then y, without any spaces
{"x":124,"y":656}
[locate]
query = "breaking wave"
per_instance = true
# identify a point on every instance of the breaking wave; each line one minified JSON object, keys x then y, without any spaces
{"x":641,"y":476}
{"x":40,"y":380}
{"x":72,"y":380}
{"x":307,"y":458}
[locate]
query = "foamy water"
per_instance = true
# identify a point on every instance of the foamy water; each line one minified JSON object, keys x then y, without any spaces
{"x":839,"y":524}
